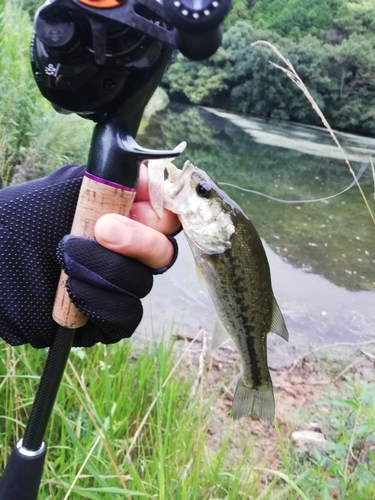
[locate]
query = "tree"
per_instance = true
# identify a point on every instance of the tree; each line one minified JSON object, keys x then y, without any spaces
{"x":237,"y":37}
{"x":240,"y":11}
{"x":352,"y":67}
{"x":337,"y":67}
{"x":199,"y":82}
{"x":283,"y":16}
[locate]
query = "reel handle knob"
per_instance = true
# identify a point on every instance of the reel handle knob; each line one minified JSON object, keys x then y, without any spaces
{"x":199,"y":46}
{"x":55,"y":34}
{"x":196,"y":16}
{"x":198,"y":25}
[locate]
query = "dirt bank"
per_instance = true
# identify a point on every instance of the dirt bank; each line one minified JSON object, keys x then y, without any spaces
{"x":298,"y":389}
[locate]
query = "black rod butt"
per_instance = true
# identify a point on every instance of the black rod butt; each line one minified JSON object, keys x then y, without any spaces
{"x":23,"y":473}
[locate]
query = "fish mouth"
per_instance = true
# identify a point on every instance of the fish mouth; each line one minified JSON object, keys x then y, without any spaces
{"x":165,"y":181}
{"x":177,"y":177}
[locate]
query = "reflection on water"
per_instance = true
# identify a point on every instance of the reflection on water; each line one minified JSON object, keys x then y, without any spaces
{"x":305,"y":139}
{"x":322,"y":255}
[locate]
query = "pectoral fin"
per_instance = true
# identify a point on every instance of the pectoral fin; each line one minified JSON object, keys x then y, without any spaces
{"x":200,"y":276}
{"x":220,"y":336}
{"x":278,"y":325}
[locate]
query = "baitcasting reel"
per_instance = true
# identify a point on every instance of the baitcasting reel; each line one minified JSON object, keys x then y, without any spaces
{"x":87,"y":56}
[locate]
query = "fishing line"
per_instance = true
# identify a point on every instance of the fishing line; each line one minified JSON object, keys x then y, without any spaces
{"x":358,"y":176}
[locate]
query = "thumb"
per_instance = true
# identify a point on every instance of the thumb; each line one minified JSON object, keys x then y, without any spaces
{"x":133,"y":239}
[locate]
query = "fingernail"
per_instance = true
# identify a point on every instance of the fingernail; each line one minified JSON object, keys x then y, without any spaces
{"x":111,"y":231}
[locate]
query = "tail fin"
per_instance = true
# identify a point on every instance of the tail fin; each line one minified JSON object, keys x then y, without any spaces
{"x":258,"y":402}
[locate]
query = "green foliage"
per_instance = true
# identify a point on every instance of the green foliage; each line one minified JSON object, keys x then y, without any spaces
{"x":30,"y":6}
{"x":240,"y":77}
{"x":238,"y":37}
{"x":199,"y":82}
{"x":352,"y":69}
{"x":356,"y":18}
{"x":34,"y":138}
{"x":105,"y":395}
{"x":206,"y":82}
{"x":283,"y":16}
{"x":330,"y":44}
{"x":347,"y":468}
{"x":19,"y":95}
{"x":240,"y":11}
{"x":249,"y":84}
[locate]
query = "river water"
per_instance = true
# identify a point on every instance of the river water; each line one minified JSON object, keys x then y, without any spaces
{"x":321,"y":254}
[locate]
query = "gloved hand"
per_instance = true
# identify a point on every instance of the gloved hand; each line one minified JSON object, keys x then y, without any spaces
{"x":34,"y":217}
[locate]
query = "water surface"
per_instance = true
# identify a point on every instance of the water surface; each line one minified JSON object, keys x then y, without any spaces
{"x":322,"y":254}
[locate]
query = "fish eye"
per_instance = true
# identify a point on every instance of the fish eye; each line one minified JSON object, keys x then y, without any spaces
{"x":203,"y":189}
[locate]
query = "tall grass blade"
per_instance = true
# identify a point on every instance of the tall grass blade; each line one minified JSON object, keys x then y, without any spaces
{"x":285,"y":478}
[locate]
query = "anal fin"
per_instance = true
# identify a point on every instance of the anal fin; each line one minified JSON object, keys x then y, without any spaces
{"x":220,"y":335}
{"x":278,"y":325}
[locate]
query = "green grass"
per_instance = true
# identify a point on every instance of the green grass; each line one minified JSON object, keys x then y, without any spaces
{"x":124,"y":426}
{"x":347,"y":469}
{"x":103,"y":400}
{"x":35,"y":140}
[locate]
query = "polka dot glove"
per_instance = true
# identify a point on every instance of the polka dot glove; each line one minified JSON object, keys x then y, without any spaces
{"x":34,"y":217}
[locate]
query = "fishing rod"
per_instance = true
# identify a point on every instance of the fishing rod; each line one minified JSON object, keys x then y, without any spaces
{"x":103,"y":60}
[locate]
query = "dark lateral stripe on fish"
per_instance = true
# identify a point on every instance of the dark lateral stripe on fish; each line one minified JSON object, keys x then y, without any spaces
{"x":256,"y":371}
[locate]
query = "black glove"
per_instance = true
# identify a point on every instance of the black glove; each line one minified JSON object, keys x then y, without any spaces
{"x":34,"y":217}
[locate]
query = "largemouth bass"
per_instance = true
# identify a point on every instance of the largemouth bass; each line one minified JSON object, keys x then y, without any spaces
{"x":230,"y":255}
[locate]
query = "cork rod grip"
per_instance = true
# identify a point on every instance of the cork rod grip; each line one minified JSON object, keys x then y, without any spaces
{"x":95,"y":199}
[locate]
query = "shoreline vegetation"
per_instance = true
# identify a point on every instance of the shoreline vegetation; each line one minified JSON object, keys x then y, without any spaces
{"x":328,"y":42}
{"x":152,"y":420}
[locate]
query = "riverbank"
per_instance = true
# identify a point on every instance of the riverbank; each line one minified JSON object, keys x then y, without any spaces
{"x":154,"y":421}
{"x":323,"y":429}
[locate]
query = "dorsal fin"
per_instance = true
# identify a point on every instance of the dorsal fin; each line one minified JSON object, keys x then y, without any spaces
{"x":220,"y":335}
{"x":278,"y":325}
